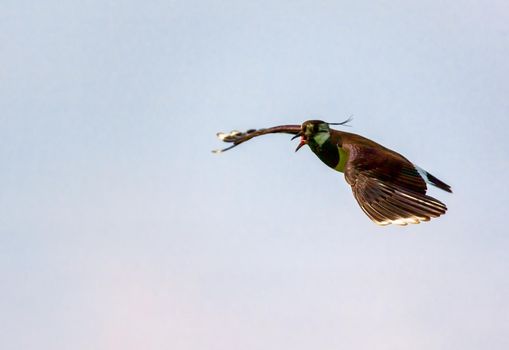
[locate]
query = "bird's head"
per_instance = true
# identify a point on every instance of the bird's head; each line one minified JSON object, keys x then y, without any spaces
{"x":316,"y":131}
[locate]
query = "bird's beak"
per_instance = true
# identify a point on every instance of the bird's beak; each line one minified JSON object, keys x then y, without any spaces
{"x":303,"y":141}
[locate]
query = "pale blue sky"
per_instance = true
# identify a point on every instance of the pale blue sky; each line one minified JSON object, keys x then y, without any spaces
{"x":120,"y":230}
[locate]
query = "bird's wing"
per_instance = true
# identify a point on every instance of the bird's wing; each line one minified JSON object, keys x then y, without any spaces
{"x":383,"y":164}
{"x":388,"y":188}
{"x":387,"y":204}
{"x":237,"y":137}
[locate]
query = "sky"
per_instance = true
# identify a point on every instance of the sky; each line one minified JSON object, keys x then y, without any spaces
{"x":121,"y":230}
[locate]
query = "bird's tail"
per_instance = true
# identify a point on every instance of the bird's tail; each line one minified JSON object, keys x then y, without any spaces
{"x":432,"y":180}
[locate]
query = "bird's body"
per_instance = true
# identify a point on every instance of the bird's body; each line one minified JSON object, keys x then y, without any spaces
{"x":387,"y":186}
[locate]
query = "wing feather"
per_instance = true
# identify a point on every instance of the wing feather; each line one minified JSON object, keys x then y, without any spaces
{"x":390,"y":204}
{"x":384,"y":164}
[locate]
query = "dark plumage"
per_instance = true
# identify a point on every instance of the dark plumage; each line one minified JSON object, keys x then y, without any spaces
{"x":388,"y":187}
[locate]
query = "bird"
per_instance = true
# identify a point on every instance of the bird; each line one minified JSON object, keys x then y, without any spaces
{"x":387,"y":186}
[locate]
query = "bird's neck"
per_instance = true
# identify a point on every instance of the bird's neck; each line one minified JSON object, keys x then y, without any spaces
{"x":321,"y":138}
{"x":325,"y":149}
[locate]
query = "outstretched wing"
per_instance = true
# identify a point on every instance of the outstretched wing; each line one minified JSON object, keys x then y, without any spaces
{"x":389,"y":188}
{"x":387,"y":204}
{"x":237,"y":137}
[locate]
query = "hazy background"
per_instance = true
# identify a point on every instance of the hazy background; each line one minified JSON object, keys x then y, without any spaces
{"x":120,"y":230}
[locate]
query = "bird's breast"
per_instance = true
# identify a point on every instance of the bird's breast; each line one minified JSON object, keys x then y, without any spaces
{"x":331,"y":154}
{"x":343,"y":158}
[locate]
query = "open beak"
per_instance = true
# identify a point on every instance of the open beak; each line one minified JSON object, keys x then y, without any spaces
{"x":303,"y":141}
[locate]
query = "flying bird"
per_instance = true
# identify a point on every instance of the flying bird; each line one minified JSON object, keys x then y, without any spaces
{"x":388,"y":187}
